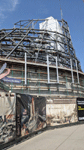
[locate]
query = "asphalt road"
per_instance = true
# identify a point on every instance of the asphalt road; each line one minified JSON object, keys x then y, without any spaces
{"x":67,"y":138}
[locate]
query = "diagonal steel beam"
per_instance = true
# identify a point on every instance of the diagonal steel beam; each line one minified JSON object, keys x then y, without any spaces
{"x":21,"y":40}
{"x":7,"y":34}
{"x":18,"y":44}
{"x":3,"y":51}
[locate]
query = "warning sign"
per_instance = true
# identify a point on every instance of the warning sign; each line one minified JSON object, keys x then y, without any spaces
{"x":80,"y":108}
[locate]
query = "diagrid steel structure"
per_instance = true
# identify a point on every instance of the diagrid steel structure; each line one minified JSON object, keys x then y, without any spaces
{"x":39,"y":44}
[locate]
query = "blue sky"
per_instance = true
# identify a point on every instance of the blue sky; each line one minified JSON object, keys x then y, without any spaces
{"x":12,"y":11}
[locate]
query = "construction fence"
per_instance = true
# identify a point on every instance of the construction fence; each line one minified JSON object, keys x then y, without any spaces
{"x":22,"y":114}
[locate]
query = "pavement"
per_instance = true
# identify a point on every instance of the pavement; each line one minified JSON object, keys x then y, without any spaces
{"x":66,"y":138}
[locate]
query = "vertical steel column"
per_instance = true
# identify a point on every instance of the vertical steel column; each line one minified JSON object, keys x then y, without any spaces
{"x":25,"y":69}
{"x":28,"y":80}
{"x":48,"y":74}
{"x":77,"y":71}
{"x":39,"y":81}
{"x":22,"y":79}
{"x":49,"y":89}
{"x":72,"y":71}
{"x":12,"y":82}
{"x":57,"y":71}
{"x":83,"y":86}
{"x":66,"y":86}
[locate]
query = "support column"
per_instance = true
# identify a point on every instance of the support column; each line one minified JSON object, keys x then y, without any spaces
{"x":77,"y":71}
{"x":48,"y":73}
{"x":25,"y":68}
{"x":39,"y":81}
{"x":22,"y":79}
{"x":12,"y":76}
{"x":57,"y":71}
{"x":28,"y":80}
{"x":72,"y":71}
{"x":66,"y":86}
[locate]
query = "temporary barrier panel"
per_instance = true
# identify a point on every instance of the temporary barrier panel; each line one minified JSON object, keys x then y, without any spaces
{"x":7,"y":117}
{"x":30,"y":114}
{"x":61,"y":111}
{"x":80,"y":108}
{"x":20,"y":115}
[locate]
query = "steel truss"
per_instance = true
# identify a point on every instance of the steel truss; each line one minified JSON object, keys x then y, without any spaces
{"x":27,"y":37}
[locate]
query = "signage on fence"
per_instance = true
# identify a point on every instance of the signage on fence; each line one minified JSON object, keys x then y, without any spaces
{"x":80,"y":108}
{"x":13,"y":80}
{"x":4,"y":74}
{"x":3,"y":68}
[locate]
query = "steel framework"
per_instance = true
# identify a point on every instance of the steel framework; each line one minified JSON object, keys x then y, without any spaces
{"x":27,"y":37}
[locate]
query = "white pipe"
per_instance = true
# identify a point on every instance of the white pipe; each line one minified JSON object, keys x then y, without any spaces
{"x":48,"y":74}
{"x":77,"y":71}
{"x":72,"y":71}
{"x":25,"y":69}
{"x":57,"y":71}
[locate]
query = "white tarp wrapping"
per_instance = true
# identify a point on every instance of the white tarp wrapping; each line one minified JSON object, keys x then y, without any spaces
{"x":52,"y":24}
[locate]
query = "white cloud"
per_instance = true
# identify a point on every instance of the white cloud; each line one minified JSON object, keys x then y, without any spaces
{"x":7,"y":6}
{"x":13,"y":4}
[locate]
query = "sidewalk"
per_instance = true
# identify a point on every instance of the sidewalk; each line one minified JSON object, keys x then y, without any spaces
{"x":67,"y":138}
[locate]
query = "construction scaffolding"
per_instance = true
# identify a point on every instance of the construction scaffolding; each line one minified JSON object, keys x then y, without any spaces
{"x":38,"y":43}
{"x":39,"y":52}
{"x":40,"y":76}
